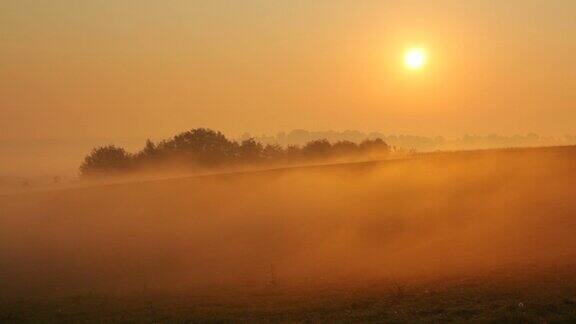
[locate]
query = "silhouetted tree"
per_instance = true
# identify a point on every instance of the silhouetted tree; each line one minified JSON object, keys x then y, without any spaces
{"x":106,"y":160}
{"x":273,"y":152}
{"x":149,"y":148}
{"x":250,"y":151}
{"x":317,"y":149}
{"x":344,"y":148}
{"x":148,"y":154}
{"x":375,"y":146}
{"x":293,"y":152}
{"x":203,"y":146}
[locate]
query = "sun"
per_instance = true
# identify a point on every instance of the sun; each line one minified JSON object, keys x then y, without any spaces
{"x":415,"y":58}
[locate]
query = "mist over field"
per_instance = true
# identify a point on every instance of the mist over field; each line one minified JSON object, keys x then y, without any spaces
{"x":40,"y":159}
{"x":431,"y":216}
{"x":326,"y":161}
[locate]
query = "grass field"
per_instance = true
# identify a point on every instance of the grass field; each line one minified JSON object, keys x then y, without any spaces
{"x":483,"y":236}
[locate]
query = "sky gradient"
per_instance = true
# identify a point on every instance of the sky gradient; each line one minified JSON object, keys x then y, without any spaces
{"x":153,"y":68}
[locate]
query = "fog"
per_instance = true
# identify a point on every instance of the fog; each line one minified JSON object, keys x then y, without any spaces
{"x":429,"y":216}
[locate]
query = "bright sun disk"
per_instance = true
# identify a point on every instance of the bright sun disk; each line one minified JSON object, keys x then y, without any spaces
{"x":415,"y":58}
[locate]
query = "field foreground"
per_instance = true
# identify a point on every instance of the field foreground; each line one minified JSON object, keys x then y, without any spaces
{"x":471,"y":236}
{"x":513,"y":296}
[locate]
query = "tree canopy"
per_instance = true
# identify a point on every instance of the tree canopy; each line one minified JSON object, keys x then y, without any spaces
{"x":206,"y":148}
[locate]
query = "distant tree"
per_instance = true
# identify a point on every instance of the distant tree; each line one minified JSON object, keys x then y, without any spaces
{"x":150,"y":148}
{"x":147,"y":154}
{"x":250,"y":151}
{"x":375,"y":146}
{"x":293,"y":152}
{"x":344,"y":148}
{"x":106,"y":160}
{"x":203,"y":146}
{"x":317,"y":148}
{"x":273,"y":152}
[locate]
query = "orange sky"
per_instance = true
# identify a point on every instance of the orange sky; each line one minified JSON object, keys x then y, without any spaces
{"x":152,"y":68}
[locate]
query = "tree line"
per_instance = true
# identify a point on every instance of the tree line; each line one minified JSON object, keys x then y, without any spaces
{"x":206,"y":148}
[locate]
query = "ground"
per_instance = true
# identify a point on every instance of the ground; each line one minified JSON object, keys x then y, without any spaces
{"x":468,"y":237}
{"x":513,"y":296}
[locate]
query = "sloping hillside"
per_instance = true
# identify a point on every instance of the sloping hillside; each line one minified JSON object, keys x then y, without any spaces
{"x":433,"y":216}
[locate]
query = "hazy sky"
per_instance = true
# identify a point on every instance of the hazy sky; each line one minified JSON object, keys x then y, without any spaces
{"x":120,"y":68}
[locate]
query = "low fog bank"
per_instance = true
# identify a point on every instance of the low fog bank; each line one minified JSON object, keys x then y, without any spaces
{"x":434,"y":215}
{"x":38,"y":161}
{"x":418,"y":143}
{"x":29,"y":164}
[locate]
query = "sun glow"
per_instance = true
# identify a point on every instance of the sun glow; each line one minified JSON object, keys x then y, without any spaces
{"x":415,"y":58}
